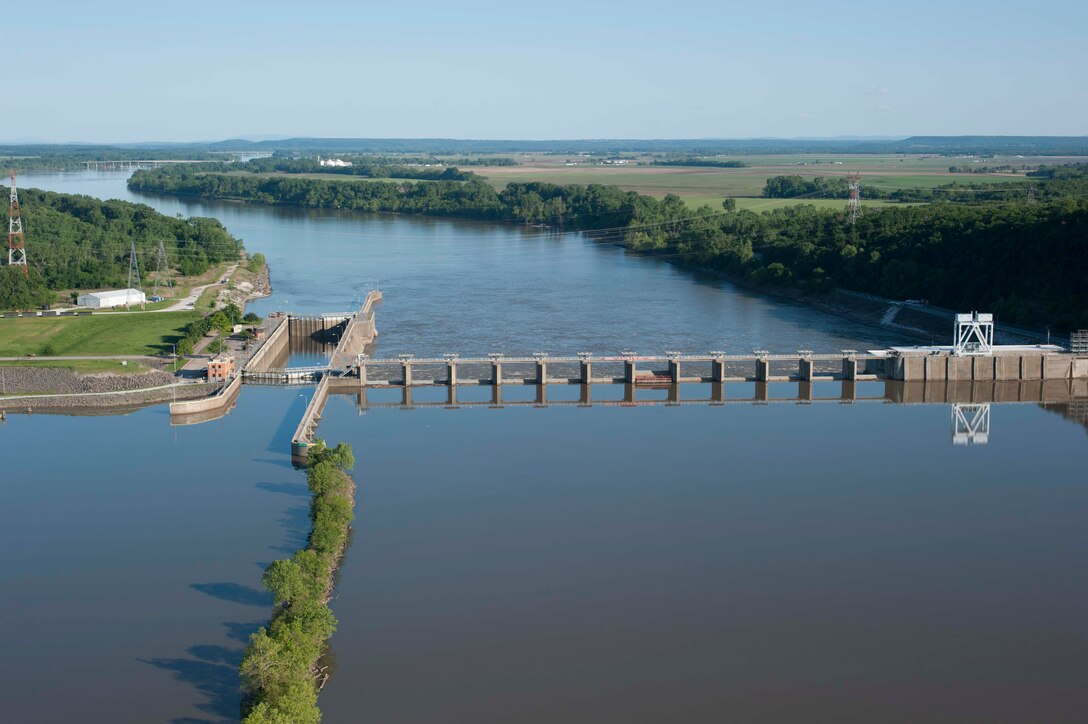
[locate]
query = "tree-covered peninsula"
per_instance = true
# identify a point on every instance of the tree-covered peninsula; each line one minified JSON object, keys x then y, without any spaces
{"x":1026,"y":261}
{"x":79,"y":242}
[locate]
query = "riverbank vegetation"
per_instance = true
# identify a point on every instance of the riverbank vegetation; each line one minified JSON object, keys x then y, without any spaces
{"x":1025,"y":261}
{"x":79,"y":242}
{"x":280,"y":671}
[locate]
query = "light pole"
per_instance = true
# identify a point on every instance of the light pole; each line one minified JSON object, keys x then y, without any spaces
{"x":175,"y":385}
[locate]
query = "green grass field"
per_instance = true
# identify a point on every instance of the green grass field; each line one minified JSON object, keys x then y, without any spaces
{"x":104,"y":334}
{"x":82,"y":366}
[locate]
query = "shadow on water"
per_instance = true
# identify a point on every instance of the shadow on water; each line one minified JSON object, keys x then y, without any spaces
{"x":296,"y":525}
{"x":275,"y":461}
{"x":295,"y":520}
{"x":235,"y":593}
{"x":212,"y":671}
{"x":279,"y":441}
{"x":298,"y":490}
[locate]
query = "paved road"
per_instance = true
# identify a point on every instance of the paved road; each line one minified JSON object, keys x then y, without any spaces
{"x":197,"y":291}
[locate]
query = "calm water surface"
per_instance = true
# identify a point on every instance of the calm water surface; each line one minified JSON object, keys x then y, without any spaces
{"x":753,"y":563}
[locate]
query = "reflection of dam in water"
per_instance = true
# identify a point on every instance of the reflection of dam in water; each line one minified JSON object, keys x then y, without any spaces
{"x":969,"y":403}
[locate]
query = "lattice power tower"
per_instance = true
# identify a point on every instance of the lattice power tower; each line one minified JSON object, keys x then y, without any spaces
{"x":853,"y":203}
{"x":16,"y":243}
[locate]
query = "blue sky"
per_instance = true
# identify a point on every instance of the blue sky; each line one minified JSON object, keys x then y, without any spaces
{"x":138,"y":71}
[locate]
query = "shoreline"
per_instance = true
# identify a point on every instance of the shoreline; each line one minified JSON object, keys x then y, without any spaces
{"x":60,"y":391}
{"x":858,"y":307}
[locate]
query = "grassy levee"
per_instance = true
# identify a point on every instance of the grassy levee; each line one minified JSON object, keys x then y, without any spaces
{"x":97,"y":334}
{"x":81,"y":366}
{"x":281,"y":673}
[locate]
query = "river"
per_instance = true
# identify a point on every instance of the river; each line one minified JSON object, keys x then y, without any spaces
{"x":759,"y":563}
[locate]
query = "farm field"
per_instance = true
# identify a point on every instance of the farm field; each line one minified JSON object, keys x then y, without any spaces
{"x":699,"y":185}
{"x":100,"y":334}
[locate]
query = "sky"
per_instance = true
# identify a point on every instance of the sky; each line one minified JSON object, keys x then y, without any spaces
{"x":123,"y":71}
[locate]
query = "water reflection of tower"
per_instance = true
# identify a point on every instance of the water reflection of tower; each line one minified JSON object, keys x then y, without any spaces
{"x":970,"y":423}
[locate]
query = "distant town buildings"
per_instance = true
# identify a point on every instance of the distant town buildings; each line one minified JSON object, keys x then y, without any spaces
{"x":220,"y":368}
{"x":333,"y":162}
{"x":110,"y":298}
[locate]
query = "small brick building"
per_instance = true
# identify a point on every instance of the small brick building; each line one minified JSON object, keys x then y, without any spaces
{"x":220,"y":368}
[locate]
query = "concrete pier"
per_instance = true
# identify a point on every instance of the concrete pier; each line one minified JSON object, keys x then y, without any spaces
{"x":763,"y":368}
{"x":585,"y":372}
{"x":849,"y":368}
{"x":806,"y":369}
{"x":674,"y":369}
{"x":717,"y":369}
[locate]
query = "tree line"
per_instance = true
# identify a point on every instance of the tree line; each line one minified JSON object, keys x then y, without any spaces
{"x":1027,"y":262}
{"x":697,"y":161}
{"x":79,"y":242}
{"x":1045,"y":184}
{"x":361,"y":166}
{"x":65,"y":157}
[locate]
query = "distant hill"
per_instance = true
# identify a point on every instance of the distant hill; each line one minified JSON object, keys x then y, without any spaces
{"x":1005,"y":145}
{"x":73,"y":155}
{"x":986,"y":145}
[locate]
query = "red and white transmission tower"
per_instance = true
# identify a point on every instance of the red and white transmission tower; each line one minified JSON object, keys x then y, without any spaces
{"x":853,"y":203}
{"x":16,"y":247}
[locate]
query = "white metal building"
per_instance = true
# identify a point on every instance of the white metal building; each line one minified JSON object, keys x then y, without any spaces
{"x":110,"y":298}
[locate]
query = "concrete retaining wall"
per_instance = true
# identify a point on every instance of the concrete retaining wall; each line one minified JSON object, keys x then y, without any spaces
{"x":270,"y":349}
{"x":1000,"y":367}
{"x":217,"y":403}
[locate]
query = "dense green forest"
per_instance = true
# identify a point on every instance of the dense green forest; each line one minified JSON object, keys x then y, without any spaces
{"x":79,"y":242}
{"x":1027,"y":262}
